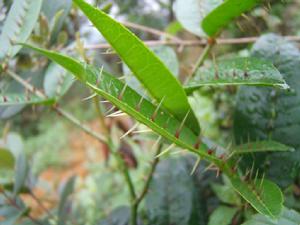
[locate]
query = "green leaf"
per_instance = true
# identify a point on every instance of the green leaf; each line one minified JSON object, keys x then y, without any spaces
{"x":238,"y":71}
{"x":130,"y":102}
{"x":57,"y":81}
{"x":263,"y":195}
{"x":261,"y":146}
{"x":287,"y":217}
{"x":226,"y":194}
{"x":7,"y":160}
{"x":225,"y":13}
{"x":18,"y":26}
{"x":22,"y":169}
{"x":190,"y":13}
{"x":148,"y":68}
{"x":171,"y":195}
{"x":68,"y":189}
{"x":119,"y":216}
{"x":263,"y":113}
{"x":166,"y":54}
{"x":222,"y":216}
{"x":21,"y":99}
{"x":56,"y":11}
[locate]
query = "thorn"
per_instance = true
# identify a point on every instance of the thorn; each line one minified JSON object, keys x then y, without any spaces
{"x":252,"y":169}
{"x":177,"y":152}
{"x":256,"y":175}
{"x":138,"y":106}
{"x":142,"y":131}
{"x":99,"y":76}
{"x":177,"y":134}
{"x":157,"y":109}
{"x":89,"y":97}
{"x":210,"y":151}
{"x":104,"y":101}
{"x":246,"y":176}
{"x":110,"y":110}
{"x":117,"y":114}
{"x":122,"y":78}
{"x":210,"y":167}
{"x":262,"y":181}
{"x":198,"y":142}
{"x":166,"y":123}
{"x":165,"y":151}
{"x":122,"y":92}
{"x":156,"y":142}
{"x":195,"y":166}
{"x":130,"y":130}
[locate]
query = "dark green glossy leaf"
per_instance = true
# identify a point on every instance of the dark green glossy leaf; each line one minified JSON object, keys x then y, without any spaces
{"x":238,"y":71}
{"x":264,"y":113}
{"x":171,"y":196}
{"x":225,"y":13}
{"x":147,"y":68}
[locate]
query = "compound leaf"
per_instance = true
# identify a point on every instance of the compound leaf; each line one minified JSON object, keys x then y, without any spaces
{"x":147,"y":68}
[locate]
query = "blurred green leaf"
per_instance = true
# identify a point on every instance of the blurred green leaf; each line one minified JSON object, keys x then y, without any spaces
{"x":18,"y":25}
{"x":190,"y":13}
{"x":222,"y":216}
{"x":171,"y":195}
{"x":56,"y":12}
{"x":12,"y":99}
{"x":21,"y":173}
{"x":67,"y":190}
{"x":57,"y":81}
{"x":7,"y":160}
{"x":287,"y":217}
{"x":226,"y":194}
{"x":225,"y":13}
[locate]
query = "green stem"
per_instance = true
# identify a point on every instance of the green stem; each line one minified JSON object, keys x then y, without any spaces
{"x":200,"y":61}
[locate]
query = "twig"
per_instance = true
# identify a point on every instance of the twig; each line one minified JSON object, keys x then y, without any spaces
{"x":38,"y":201}
{"x":59,"y":110}
{"x":150,"y":176}
{"x":200,"y":61}
{"x":14,"y":204}
{"x":151,"y":30}
{"x":190,"y":43}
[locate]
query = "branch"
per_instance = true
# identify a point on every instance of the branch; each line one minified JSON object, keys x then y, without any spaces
{"x":59,"y":110}
{"x":151,"y":30}
{"x":191,"y":43}
{"x":200,"y":61}
{"x":150,"y":176}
